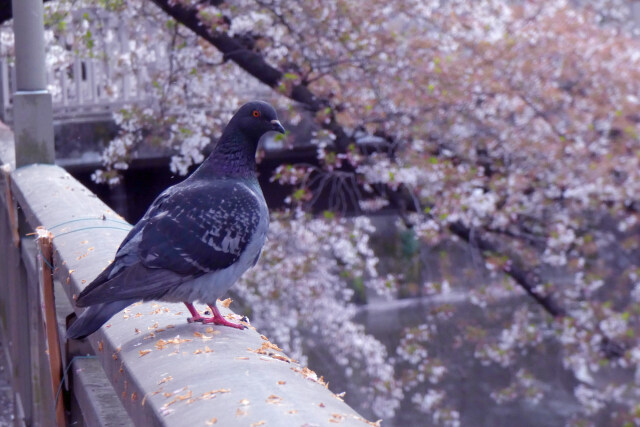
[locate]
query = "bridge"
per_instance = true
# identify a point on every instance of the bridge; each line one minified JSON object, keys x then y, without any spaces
{"x":89,"y":88}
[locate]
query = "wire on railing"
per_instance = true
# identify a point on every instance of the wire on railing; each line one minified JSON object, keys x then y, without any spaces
{"x":66,"y":371}
{"x":103,"y":218}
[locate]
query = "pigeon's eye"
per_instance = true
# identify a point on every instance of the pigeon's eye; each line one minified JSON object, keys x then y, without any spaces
{"x":256,"y":113}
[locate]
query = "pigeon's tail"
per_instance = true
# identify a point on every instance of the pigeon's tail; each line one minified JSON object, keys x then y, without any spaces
{"x":95,"y":316}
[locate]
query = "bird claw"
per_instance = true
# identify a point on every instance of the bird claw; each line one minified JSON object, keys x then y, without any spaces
{"x":215,"y":321}
{"x":222,"y":322}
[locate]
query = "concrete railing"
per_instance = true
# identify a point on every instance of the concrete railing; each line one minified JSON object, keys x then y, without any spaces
{"x":149,"y":366}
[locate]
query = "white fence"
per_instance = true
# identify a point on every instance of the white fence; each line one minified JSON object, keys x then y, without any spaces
{"x":86,"y":90}
{"x":102,"y":79}
{"x":90,"y":87}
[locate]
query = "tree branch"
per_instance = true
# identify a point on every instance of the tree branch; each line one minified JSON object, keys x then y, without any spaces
{"x":528,"y":280}
{"x":254,"y":63}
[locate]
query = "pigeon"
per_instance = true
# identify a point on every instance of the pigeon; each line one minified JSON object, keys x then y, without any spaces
{"x":197,"y":237}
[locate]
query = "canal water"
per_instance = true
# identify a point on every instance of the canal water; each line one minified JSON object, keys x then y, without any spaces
{"x":469,"y":383}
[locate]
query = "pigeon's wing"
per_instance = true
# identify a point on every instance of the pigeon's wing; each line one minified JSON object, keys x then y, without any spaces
{"x":126,"y":257}
{"x":135,"y":282}
{"x":198,"y":229}
{"x":202,"y":230}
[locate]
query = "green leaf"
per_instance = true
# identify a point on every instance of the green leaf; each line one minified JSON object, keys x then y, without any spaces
{"x":299,"y":194}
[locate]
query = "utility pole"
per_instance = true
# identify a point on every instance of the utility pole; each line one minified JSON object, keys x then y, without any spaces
{"x":32,"y":110}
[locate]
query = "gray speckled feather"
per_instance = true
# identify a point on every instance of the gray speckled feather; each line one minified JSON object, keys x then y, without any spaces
{"x":198,"y":237}
{"x":212,"y":228}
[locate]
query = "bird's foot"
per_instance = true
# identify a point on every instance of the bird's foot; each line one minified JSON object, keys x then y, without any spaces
{"x":195,"y":316}
{"x":216,"y":319}
{"x":222,"y":321}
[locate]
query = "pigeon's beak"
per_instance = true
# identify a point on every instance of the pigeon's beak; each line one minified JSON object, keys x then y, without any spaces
{"x":277,"y":126}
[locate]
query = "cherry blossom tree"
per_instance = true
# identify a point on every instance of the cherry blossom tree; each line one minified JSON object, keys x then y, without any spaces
{"x":509,"y":126}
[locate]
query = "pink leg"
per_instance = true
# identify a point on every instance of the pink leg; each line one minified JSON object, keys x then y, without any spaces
{"x":217,"y":318}
{"x":194,"y":313}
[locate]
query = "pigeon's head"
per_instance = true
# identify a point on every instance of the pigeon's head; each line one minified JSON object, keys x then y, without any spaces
{"x":256,"y":118}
